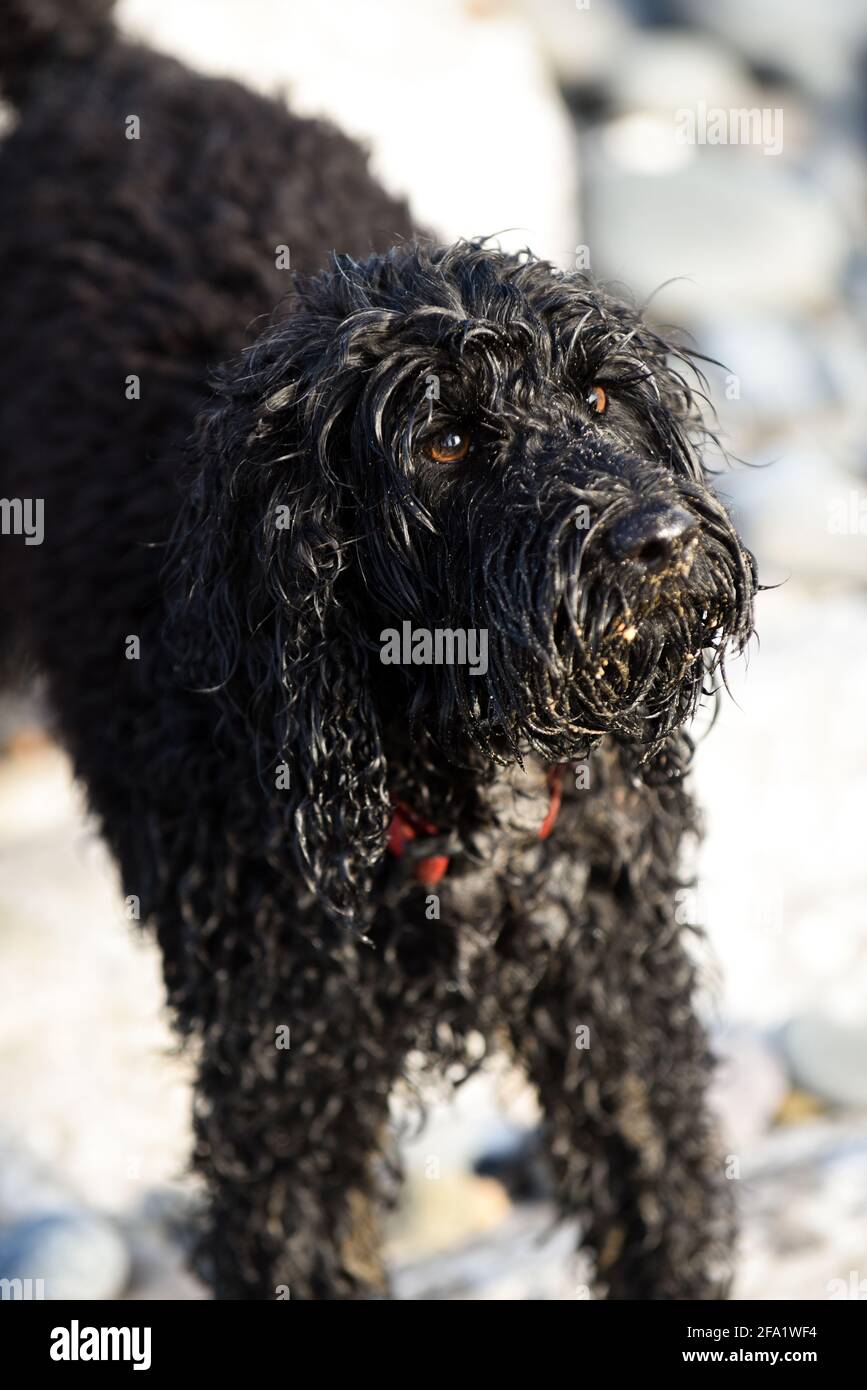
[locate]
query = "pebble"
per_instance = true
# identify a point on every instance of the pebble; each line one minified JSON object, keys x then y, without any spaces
{"x":75,"y":1255}
{"x":828,"y":1058}
{"x":749,"y":1087}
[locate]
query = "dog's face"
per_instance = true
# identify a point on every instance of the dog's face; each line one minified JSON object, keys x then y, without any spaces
{"x":461,"y":442}
{"x":516,"y":459}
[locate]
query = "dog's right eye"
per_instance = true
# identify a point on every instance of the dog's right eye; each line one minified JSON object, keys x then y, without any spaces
{"x":449,"y":447}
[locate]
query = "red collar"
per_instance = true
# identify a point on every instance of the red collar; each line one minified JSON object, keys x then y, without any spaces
{"x":407,"y":826}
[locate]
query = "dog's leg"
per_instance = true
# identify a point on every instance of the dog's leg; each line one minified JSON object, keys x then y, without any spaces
{"x":291,"y":1113}
{"x":621,"y":1064}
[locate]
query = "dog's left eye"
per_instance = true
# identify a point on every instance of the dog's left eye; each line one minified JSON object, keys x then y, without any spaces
{"x":449,"y":447}
{"x":597,"y":399}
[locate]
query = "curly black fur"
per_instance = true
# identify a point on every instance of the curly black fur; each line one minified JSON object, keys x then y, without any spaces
{"x":258,"y":540}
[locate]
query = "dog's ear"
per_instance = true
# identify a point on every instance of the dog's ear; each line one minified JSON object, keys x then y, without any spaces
{"x":259,"y":574}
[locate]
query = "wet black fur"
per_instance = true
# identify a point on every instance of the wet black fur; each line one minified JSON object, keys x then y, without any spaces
{"x":258,"y":533}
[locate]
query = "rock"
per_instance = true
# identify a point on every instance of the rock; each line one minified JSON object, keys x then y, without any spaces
{"x":582,"y":44}
{"x":794,"y":375}
{"x":749,"y":1087}
{"x":159,"y":1259}
{"x":828,"y":1058}
{"x":455,"y":101}
{"x":774,"y":369}
{"x":731,"y":229}
{"x":490,"y":1111}
{"x":75,"y":1255}
{"x":444,"y":1212}
{"x":72,"y":955}
{"x":803,"y":1209}
{"x":799,"y":1107}
{"x":803,"y":514}
{"x":818,"y":45}
{"x":523,"y":1258}
{"x":661,"y":70}
{"x":783,"y":875}
{"x":26,"y":1184}
{"x":519,"y":1166}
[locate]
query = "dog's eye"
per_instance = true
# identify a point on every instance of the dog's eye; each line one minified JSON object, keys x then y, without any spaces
{"x":597,"y":399}
{"x":449,"y":447}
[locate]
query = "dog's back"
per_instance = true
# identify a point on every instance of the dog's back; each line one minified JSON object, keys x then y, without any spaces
{"x":144,"y":212}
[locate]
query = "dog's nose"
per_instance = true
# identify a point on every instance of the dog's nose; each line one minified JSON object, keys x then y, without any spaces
{"x":651,"y":536}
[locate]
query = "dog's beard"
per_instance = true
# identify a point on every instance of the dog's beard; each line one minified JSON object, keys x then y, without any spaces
{"x":578,"y":647}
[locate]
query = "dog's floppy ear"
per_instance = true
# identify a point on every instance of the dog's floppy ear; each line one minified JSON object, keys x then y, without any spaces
{"x":258,"y":573}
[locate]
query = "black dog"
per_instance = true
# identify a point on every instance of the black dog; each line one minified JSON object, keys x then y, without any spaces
{"x":388,"y":860}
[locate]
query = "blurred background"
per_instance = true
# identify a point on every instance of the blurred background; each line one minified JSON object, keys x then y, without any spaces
{"x":589,"y":132}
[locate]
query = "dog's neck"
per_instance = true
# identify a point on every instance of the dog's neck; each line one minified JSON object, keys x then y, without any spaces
{"x":443,"y":808}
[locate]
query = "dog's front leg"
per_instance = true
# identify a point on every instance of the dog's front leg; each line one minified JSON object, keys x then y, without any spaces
{"x":291,"y":1110}
{"x":621,"y":1064}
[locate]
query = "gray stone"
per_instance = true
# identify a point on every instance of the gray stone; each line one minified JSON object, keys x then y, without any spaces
{"x":803,"y":1204}
{"x":749,"y":1086}
{"x":665,"y":69}
{"x":801,"y":512}
{"x":728,"y":231}
{"x":581,"y":45}
{"x":818,"y":45}
{"x":828,"y":1058}
{"x":75,"y":1255}
{"x":775,"y":367}
{"x":523,"y":1258}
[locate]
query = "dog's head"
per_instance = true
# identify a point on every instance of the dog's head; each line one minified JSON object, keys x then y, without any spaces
{"x":446,"y":454}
